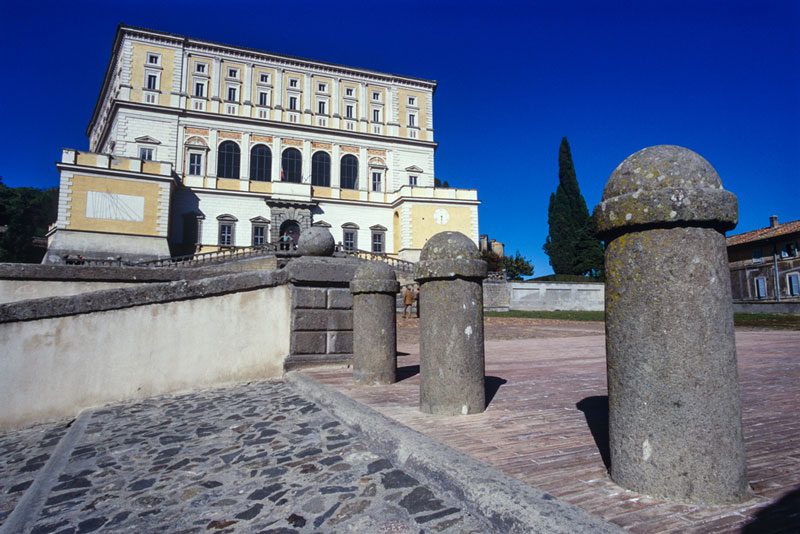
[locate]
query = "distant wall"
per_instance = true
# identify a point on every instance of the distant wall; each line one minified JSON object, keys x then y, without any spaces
{"x":543,"y":296}
{"x":767,"y":307}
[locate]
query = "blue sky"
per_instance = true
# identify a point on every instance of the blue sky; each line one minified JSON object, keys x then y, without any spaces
{"x":719,"y":77}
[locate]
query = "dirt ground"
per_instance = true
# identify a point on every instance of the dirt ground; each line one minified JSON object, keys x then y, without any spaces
{"x":511,"y":328}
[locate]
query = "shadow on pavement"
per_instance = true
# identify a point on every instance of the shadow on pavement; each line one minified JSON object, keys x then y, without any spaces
{"x":491,"y":384}
{"x":595,"y":409}
{"x":781,"y":516}
{"x":407,"y":371}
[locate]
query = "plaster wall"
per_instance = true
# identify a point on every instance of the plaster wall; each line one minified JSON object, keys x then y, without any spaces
{"x":551,"y":296}
{"x":16,"y":290}
{"x":53,"y":368}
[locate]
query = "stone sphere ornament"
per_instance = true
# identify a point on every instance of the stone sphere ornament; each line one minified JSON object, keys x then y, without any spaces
{"x":316,"y":241}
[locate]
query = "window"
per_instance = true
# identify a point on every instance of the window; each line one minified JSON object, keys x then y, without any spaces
{"x":412,"y":101}
{"x":757,"y":256}
{"x":789,"y":251}
{"x":376,"y":181}
{"x":412,"y":120}
{"x":321,"y":108}
{"x":793,"y":281}
{"x":292,"y":166}
{"x":293,"y":82}
{"x":233,"y":73}
{"x":152,"y":59}
{"x":259,"y":234}
{"x":228,"y":159}
{"x":152,"y":82}
{"x":199,"y":89}
{"x":376,"y":115}
{"x":349,"y":239}
{"x":377,"y":242}
{"x":322,"y":87}
{"x":761,"y":287}
{"x":376,"y":96}
{"x":348,"y":91}
{"x":260,"y":163}
{"x":262,"y":98}
{"x":321,"y":169}
{"x":293,"y":102}
{"x":348,"y":112}
{"x":349,"y":172}
{"x":195,"y":164}
{"x":232,"y":94}
{"x":200,"y":68}
{"x":412,"y":180}
{"x":226,"y":234}
{"x":264,"y":78}
{"x":146,"y":154}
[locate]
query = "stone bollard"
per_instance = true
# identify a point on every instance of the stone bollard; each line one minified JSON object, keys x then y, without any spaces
{"x":450,"y":274}
{"x":674,"y":414}
{"x":374,"y":288}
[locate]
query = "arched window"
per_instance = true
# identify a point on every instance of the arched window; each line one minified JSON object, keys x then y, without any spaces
{"x":349,"y":172}
{"x":228,"y":157}
{"x":321,"y":169}
{"x":292,"y":166}
{"x":260,"y":163}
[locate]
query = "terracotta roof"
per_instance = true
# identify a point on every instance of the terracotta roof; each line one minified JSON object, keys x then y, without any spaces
{"x":765,"y":233}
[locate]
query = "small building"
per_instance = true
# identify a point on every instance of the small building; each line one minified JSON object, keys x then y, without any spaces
{"x":491,"y":245}
{"x":765,"y":259}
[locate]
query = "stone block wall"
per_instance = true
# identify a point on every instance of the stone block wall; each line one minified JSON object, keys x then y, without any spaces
{"x":322,"y":326}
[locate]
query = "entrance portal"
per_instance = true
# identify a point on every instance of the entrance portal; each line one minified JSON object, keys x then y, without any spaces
{"x":289,"y":234}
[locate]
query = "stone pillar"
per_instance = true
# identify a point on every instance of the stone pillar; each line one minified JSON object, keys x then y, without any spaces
{"x":674,"y":414}
{"x":450,"y":274}
{"x":374,"y":288}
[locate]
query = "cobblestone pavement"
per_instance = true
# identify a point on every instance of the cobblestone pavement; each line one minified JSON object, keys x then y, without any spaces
{"x":23,"y":453}
{"x":251,"y":458}
{"x":547,"y":426}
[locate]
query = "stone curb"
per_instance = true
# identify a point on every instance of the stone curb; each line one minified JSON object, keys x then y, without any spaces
{"x":128,"y":297}
{"x":506,"y":503}
{"x":27,"y":510}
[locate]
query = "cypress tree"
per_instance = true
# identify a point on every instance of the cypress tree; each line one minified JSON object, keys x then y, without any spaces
{"x":571,"y":245}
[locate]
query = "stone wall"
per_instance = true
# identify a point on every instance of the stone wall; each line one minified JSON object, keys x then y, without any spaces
{"x":542,"y":296}
{"x":66,"y":353}
{"x":792,"y":307}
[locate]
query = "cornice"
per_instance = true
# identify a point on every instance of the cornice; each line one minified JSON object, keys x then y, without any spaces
{"x":187,"y":113}
{"x":133,"y":175}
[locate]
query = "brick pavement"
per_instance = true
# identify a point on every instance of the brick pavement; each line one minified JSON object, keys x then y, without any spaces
{"x":549,"y":413}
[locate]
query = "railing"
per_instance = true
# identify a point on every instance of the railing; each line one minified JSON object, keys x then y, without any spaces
{"x":397,"y":264}
{"x":192,"y":260}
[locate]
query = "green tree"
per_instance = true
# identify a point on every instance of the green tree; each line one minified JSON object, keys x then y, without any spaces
{"x":571,"y":245}
{"x":517,"y":266}
{"x":25,"y":212}
{"x":493,"y":262}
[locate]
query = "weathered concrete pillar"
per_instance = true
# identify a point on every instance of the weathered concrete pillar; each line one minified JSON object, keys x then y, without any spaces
{"x":674,"y":415}
{"x":374,"y":288}
{"x":450,"y":273}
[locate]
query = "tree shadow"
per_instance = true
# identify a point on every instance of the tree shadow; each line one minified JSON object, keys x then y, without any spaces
{"x":595,"y":410}
{"x":491,"y":384}
{"x":781,"y":516}
{"x":406,"y":372}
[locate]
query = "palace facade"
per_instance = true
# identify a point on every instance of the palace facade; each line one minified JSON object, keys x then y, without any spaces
{"x":195,"y":146}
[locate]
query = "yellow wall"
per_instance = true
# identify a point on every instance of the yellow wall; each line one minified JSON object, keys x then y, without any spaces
{"x":228,"y":184}
{"x":349,"y":194}
{"x":140,"y":51}
{"x":256,"y":85}
{"x":300,"y":86}
{"x":377,"y":89}
{"x":423,"y":226}
{"x":239,"y":82}
{"x":260,"y":187}
{"x":322,"y":192}
{"x":81,"y":185}
{"x":422,"y":113}
{"x":396,"y":231}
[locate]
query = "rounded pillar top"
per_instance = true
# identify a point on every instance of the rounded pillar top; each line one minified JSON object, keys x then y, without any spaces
{"x":664,"y":186}
{"x":316,"y":241}
{"x":450,"y":255}
{"x":374,"y":277}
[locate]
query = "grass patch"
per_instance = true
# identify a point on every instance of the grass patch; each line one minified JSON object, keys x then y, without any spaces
{"x":563,"y":315}
{"x":782,"y":321}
